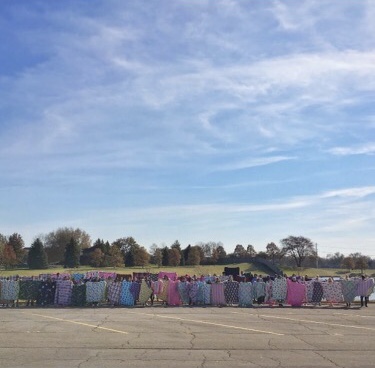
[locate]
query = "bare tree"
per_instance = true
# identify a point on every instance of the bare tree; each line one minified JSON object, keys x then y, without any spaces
{"x":348,"y":262}
{"x":56,"y":241}
{"x":299,"y":248}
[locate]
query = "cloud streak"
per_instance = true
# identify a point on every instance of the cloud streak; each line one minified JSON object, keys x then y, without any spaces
{"x":366,"y":149}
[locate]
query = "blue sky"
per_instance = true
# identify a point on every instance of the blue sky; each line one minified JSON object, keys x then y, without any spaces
{"x":235,"y":121}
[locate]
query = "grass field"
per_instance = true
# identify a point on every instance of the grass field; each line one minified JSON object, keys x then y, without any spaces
{"x":190,"y":270}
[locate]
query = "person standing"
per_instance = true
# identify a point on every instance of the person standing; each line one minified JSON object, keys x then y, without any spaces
{"x":365,"y":288}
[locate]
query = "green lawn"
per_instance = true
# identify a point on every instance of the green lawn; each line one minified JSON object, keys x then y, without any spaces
{"x":190,"y":270}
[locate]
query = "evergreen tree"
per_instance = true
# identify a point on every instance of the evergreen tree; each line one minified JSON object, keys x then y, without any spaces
{"x":37,"y":257}
{"x":185,"y":254}
{"x":72,"y":254}
{"x":129,"y":258}
{"x":165,"y":256}
{"x":103,"y":246}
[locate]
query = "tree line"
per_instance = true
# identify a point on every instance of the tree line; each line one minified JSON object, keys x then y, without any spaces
{"x":71,"y":248}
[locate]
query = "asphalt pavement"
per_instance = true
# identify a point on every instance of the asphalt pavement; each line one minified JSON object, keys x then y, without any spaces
{"x":187,"y":337}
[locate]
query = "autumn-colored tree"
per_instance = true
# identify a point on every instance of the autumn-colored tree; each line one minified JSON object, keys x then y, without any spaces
{"x":115,"y":257}
{"x":361,"y":263}
{"x":16,"y":242}
{"x":9,"y":258}
{"x":174,"y":257}
{"x":194,"y":257}
{"x":177,"y":245}
{"x":141,"y":256}
{"x":96,"y":258}
{"x":3,"y":242}
{"x":134,"y":254}
{"x":348,"y":262}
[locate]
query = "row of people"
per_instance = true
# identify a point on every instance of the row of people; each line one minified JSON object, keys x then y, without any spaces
{"x":205,"y":290}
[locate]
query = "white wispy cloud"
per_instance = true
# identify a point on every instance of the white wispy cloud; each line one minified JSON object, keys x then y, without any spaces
{"x":253,"y":162}
{"x":350,"y":192}
{"x":366,"y":149}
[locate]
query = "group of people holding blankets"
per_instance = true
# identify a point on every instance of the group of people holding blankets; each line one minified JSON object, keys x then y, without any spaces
{"x":96,"y":288}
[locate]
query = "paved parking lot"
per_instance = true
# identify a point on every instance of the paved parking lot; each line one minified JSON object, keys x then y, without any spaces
{"x":187,"y":337}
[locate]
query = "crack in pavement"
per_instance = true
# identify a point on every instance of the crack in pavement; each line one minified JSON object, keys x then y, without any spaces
{"x":278,"y":361}
{"x":204,"y":361}
{"x":101,"y":323}
{"x":329,"y":360}
{"x":304,"y":341}
{"x":88,"y":359}
{"x":189,"y":332}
